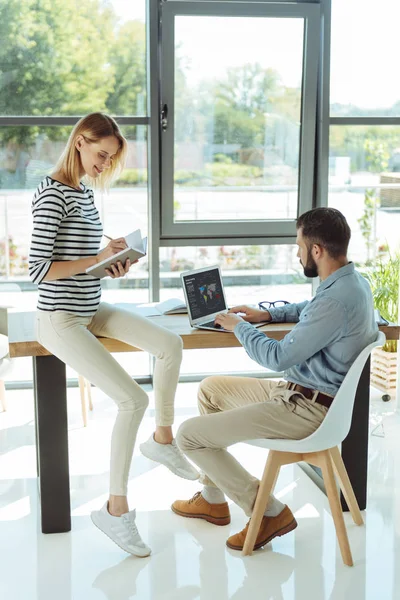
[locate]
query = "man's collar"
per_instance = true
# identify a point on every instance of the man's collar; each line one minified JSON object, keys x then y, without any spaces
{"x":346,"y":270}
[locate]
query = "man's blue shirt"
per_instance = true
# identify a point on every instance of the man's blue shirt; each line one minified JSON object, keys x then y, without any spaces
{"x":331,"y":331}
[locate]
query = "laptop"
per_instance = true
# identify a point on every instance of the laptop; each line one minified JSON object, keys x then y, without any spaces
{"x":205,"y":297}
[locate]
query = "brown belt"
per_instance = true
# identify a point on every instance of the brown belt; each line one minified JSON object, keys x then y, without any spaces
{"x":321,"y":398}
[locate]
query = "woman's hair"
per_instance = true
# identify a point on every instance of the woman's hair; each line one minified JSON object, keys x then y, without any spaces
{"x":93,"y":128}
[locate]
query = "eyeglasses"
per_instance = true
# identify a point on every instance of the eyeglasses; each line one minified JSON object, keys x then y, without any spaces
{"x":265,"y":305}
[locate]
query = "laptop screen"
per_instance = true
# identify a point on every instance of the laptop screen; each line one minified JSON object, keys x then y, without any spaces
{"x":204,"y":293}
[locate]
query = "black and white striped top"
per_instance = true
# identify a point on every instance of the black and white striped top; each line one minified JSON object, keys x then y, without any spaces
{"x":66,"y":226}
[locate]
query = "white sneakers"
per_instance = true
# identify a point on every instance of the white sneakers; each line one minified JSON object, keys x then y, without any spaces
{"x":170,"y":456}
{"x":121,"y":530}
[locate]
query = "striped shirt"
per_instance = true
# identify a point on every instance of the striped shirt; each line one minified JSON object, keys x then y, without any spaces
{"x":66,"y":226}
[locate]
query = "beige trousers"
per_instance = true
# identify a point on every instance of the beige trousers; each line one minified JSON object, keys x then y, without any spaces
{"x":235,"y":409}
{"x":73,"y":340}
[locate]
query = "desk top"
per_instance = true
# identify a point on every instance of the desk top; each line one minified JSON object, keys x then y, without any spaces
{"x":21,"y":345}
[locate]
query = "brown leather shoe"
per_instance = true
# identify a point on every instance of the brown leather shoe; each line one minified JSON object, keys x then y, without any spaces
{"x":270,"y":527}
{"x":198,"y":508}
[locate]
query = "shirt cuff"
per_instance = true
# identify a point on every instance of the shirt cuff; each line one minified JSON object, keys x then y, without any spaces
{"x":277,"y":315}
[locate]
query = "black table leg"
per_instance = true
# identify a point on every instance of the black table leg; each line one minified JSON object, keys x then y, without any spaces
{"x":52,"y":443}
{"x":355,"y":446}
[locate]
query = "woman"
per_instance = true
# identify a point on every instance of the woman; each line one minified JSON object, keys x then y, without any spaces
{"x":66,"y":241}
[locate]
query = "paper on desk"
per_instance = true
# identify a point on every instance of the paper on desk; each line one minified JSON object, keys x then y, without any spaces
{"x":145,"y":310}
{"x":21,"y":326}
{"x":156,"y":309}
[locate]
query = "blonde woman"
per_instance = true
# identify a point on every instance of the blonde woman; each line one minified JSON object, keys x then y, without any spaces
{"x":66,"y":241}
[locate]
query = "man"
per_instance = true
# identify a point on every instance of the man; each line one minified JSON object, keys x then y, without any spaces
{"x":315,"y":356}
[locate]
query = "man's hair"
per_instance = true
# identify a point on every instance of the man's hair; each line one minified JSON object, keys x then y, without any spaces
{"x":326,"y":227}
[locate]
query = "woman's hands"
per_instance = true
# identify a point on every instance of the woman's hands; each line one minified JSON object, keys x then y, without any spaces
{"x":112,"y":248}
{"x":118,"y":269}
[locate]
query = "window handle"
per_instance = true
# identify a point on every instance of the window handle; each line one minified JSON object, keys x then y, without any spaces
{"x":164,"y":117}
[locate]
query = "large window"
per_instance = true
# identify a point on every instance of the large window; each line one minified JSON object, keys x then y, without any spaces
{"x":238,"y":137}
{"x":57,"y":60}
{"x":71,"y":58}
{"x":364,"y":161}
{"x":364,"y":166}
{"x":237,"y":118}
{"x":364,"y":53}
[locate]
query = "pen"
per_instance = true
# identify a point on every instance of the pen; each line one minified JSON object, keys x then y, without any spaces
{"x":107,"y":236}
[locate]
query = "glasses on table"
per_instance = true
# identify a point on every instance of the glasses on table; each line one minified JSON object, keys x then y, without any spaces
{"x":265,"y":304}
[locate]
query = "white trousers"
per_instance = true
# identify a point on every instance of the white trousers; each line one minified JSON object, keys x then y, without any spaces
{"x":72,"y":339}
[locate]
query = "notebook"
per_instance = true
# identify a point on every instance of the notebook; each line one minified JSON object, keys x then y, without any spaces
{"x":173,"y":306}
{"x":137,"y":248}
{"x":205,"y":297}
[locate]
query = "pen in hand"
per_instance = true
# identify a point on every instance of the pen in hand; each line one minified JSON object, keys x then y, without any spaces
{"x":115,"y":239}
{"x":117,"y":243}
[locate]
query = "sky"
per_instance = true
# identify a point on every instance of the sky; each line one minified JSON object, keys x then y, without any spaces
{"x":365,"y":55}
{"x":244,"y":40}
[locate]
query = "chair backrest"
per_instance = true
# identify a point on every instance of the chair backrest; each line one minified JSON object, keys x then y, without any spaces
{"x":336,"y":425}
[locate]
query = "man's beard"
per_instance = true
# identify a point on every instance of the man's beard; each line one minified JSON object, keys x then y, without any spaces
{"x":310,"y":268}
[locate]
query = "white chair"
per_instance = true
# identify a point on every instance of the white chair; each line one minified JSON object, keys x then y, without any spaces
{"x":319,"y":449}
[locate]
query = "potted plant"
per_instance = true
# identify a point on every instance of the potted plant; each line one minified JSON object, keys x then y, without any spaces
{"x":384,"y":279}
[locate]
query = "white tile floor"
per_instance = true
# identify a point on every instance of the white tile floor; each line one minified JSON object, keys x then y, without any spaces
{"x":189,"y":560}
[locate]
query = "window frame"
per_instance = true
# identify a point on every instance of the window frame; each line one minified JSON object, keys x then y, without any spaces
{"x":269,"y":229}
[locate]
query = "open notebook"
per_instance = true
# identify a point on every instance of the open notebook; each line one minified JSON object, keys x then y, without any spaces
{"x":173,"y":306}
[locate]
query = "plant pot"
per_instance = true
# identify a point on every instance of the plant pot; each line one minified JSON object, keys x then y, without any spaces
{"x":384,"y":370}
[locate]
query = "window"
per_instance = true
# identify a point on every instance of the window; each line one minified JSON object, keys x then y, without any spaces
{"x":238,"y":136}
{"x":364,"y":53}
{"x":71,"y":58}
{"x":362,"y":159}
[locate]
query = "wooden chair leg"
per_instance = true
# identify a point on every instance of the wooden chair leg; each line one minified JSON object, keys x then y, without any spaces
{"x":81,"y":380}
{"x":336,"y":509}
{"x":89,"y":394}
{"x":3,"y":403}
{"x":271,"y":472}
{"x":345,"y":485}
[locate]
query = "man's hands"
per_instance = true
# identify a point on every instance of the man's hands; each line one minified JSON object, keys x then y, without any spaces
{"x":118,"y":269}
{"x":250,"y":314}
{"x":230,"y":319}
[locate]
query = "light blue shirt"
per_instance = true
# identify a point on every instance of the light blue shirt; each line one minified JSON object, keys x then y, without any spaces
{"x":331,"y":331}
